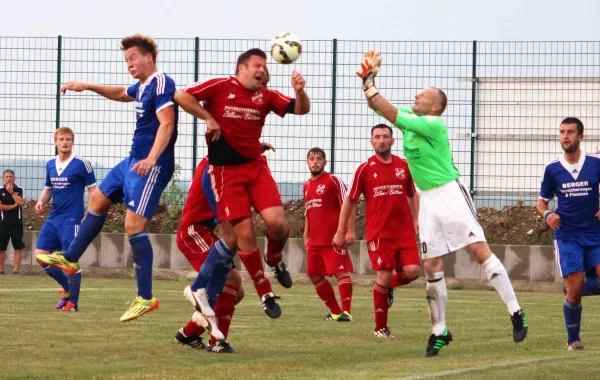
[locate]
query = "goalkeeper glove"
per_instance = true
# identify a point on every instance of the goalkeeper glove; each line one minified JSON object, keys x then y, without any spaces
{"x":368,"y":79}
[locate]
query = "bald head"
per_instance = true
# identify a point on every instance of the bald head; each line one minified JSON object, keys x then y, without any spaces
{"x":430,"y":102}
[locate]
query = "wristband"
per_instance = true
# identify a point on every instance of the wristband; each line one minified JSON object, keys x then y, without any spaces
{"x":371,"y":92}
{"x":547,"y":214}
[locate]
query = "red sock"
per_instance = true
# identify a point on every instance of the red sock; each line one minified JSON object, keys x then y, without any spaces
{"x":380,"y":303}
{"x":325,"y":291}
{"x":193,"y":329}
{"x":224,"y":309}
{"x":345,"y":289}
{"x":253,"y":263}
{"x":275,"y":247}
{"x":399,"y":278}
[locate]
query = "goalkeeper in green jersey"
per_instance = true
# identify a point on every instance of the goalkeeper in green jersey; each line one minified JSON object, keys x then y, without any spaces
{"x":448,"y":218}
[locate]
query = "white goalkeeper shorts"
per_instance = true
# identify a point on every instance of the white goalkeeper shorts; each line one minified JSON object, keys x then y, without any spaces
{"x":447,"y":220}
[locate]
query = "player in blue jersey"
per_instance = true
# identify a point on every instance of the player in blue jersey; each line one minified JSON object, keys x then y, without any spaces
{"x":139,"y":179}
{"x":67,"y":177}
{"x":574,"y":179}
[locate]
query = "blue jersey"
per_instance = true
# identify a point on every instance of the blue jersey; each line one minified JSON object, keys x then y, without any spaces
{"x":150,"y":98}
{"x":576,"y":189}
{"x":68,"y":180}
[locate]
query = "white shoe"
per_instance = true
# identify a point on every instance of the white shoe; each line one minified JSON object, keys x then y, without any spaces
{"x":199,"y":299}
{"x":200,"y":320}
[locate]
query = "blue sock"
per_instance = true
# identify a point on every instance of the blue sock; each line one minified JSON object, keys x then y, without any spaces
{"x":142,"y":262}
{"x":74,"y":287}
{"x":58,"y":275}
{"x":218,"y":257}
{"x":591,"y":287}
{"x":216,"y":283}
{"x":90,"y":227}
{"x":573,"y":320}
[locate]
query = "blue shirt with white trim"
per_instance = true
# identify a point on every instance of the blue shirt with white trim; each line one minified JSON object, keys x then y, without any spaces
{"x":68,"y":181}
{"x":151,"y":97}
{"x":576,"y":190}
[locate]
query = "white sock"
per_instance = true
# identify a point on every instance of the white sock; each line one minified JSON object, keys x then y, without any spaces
{"x":498,"y":277}
{"x":437,"y":295}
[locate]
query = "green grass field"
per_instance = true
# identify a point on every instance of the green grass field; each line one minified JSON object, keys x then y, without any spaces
{"x":38,"y":342}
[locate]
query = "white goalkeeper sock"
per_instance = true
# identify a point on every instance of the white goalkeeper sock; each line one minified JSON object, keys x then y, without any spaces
{"x":498,"y":277}
{"x":437,"y":295}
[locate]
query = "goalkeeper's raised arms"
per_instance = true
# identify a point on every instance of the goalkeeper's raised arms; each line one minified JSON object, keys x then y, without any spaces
{"x":374,"y":59}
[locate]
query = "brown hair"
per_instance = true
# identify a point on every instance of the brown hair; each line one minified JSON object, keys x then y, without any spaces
{"x":245,"y":57}
{"x":316,"y":150}
{"x":145,"y":44}
{"x":382,"y":126}
{"x":64,"y":131}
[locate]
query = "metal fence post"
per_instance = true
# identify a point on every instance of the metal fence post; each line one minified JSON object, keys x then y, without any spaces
{"x":333,"y":103}
{"x":473,"y":111}
{"x":58,"y":82}
{"x":195,"y":122}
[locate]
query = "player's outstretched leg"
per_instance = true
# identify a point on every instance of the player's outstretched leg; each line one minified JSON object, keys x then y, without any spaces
{"x":437,"y":296}
{"x":253,"y":263}
{"x":274,"y":256}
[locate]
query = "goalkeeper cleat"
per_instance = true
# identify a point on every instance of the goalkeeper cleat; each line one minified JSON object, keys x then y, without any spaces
{"x":270,"y":305}
{"x":332,"y":317}
{"x":199,"y":299}
{"x":384,"y":333}
{"x":56,"y":259}
{"x":209,"y":323}
{"x":283,"y":275}
{"x":436,"y":342}
{"x":220,"y":347}
{"x":192,"y":341}
{"x":519,"y":323}
{"x":139,"y":307}
{"x":64,"y":298}
{"x":390,"y":297}
{"x":344,"y":317}
{"x":69,"y":306}
{"x":575,"y":346}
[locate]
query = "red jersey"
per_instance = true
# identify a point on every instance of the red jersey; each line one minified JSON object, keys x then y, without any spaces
{"x":323,"y":199}
{"x":196,"y":207}
{"x":239,"y":112}
{"x":385,"y":188}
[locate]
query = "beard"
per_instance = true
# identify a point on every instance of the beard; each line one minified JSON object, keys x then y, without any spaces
{"x":570,"y":148}
{"x":383,"y":151}
{"x":317,"y":171}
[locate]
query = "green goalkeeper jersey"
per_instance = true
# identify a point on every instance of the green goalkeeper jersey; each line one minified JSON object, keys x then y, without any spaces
{"x":427,"y":149}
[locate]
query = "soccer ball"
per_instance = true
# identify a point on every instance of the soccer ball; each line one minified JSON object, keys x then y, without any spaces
{"x":286,"y":48}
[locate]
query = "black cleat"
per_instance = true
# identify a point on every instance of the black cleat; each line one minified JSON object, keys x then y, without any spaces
{"x":283,"y":275}
{"x":270,"y":305}
{"x":344,"y":317}
{"x":390,"y":297}
{"x":436,"y":342}
{"x":192,"y":341}
{"x":519,"y":323}
{"x":221,"y":347}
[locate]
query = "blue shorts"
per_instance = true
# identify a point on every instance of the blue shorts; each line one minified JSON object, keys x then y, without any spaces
{"x":208,"y":192}
{"x":57,"y":234}
{"x":141,"y":195}
{"x":577,"y":254}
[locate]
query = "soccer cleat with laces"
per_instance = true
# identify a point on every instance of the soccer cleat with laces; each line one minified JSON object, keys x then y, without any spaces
{"x":192,"y":341}
{"x":209,"y":323}
{"x":575,"y":346}
{"x":384,"y":333}
{"x":519,"y":322}
{"x":436,"y":342}
{"x":56,"y":259}
{"x":199,"y":299}
{"x":139,"y":307}
{"x":64,"y":298}
{"x":390,"y":297}
{"x":220,"y":347}
{"x":344,"y":317}
{"x":332,"y":317}
{"x":283,"y":275}
{"x":69,"y":306}
{"x":270,"y":305}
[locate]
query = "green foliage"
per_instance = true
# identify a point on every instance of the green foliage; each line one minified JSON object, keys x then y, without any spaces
{"x":175,"y":193}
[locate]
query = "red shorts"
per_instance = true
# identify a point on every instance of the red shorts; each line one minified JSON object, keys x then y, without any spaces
{"x":194,"y":242}
{"x":239,"y":187}
{"x":392,"y":253}
{"x":326,"y":261}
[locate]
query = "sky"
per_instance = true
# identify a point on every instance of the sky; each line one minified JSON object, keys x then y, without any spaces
{"x":458,"y":20}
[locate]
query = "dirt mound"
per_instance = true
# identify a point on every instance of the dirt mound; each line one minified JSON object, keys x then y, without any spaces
{"x":516,"y":224}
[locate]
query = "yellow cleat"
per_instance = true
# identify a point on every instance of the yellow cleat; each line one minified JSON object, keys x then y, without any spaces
{"x":56,"y":259}
{"x":139,"y":307}
{"x":344,"y":317}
